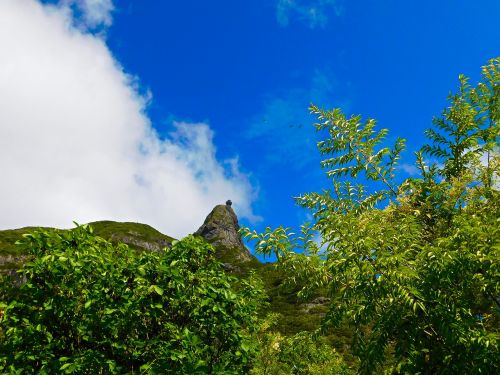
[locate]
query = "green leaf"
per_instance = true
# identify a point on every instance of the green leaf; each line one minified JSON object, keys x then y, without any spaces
{"x":158,"y":290}
{"x":64,"y":366}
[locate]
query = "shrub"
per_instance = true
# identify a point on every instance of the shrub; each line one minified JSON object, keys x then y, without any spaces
{"x":89,"y":306}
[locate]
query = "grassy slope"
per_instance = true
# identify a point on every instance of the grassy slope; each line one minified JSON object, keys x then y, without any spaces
{"x":8,"y":239}
{"x":114,"y":231}
{"x":110,"y":230}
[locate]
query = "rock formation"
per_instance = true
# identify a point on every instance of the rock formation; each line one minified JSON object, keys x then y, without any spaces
{"x":221,"y":230}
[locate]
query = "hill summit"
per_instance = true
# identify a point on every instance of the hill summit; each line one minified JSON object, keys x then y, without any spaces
{"x":221,"y":229}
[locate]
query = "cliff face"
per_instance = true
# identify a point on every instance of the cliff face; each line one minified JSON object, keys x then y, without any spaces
{"x":221,"y":230}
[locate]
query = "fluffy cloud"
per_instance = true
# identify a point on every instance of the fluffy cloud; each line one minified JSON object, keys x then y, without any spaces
{"x":89,"y":14}
{"x":312,"y":12}
{"x":76,"y":144}
{"x":409,"y":169}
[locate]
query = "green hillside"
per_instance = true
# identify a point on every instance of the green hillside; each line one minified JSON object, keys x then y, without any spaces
{"x":8,"y":240}
{"x":138,"y":236}
{"x":143,"y":237}
{"x":296,"y":315}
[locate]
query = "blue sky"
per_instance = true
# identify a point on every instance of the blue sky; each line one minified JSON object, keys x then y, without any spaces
{"x":246,"y":71}
{"x":251,"y":75}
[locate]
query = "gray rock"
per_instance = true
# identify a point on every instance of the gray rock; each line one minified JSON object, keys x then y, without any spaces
{"x":9,"y":264}
{"x":318,"y":301}
{"x":228,"y":267}
{"x":7,"y":260}
{"x":17,"y":278}
{"x":135,"y":241}
{"x":220,"y":228}
{"x":321,"y":300}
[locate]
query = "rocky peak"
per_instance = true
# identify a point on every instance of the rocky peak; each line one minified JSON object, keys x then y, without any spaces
{"x":221,"y":230}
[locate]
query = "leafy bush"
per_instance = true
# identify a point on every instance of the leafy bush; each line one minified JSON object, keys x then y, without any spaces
{"x":89,"y":306}
{"x":301,"y":354}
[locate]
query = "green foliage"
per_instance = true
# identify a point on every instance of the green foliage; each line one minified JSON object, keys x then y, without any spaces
{"x":281,"y":242}
{"x":413,"y":267}
{"x":135,"y":234}
{"x":8,"y":239}
{"x":302,"y":353}
{"x":89,"y":306}
{"x":470,"y":126}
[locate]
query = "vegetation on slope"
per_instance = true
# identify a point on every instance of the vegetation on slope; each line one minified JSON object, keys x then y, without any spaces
{"x":138,"y":236}
{"x":281,"y":299}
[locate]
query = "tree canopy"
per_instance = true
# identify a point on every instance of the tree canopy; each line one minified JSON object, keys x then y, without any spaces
{"x":411,"y":264}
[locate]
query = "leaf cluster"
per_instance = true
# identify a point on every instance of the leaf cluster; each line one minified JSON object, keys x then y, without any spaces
{"x":302,"y":353}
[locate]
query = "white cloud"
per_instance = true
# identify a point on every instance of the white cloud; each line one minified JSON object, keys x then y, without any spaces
{"x":409,"y":169}
{"x":94,"y":13}
{"x":75,"y":143}
{"x":312,"y":12}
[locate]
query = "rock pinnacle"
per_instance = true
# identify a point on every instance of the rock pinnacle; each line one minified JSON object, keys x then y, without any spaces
{"x":220,"y":228}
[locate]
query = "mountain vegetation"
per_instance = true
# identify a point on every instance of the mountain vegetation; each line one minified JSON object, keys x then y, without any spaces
{"x":404,"y":280}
